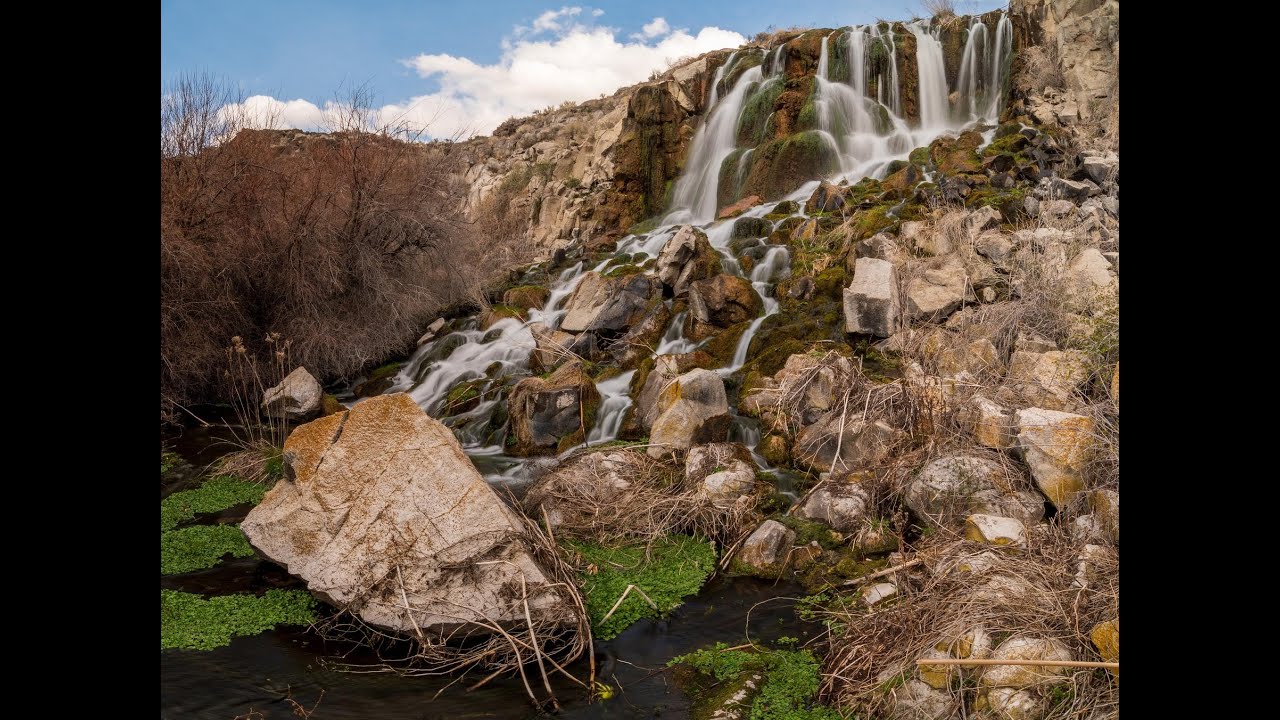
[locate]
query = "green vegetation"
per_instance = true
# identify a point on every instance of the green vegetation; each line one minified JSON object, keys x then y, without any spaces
{"x":676,"y":566}
{"x":169,"y":461}
{"x":791,"y":679}
{"x":808,"y":531}
{"x":215,"y":494}
{"x":200,"y":546}
{"x":573,"y":183}
{"x":191,"y":622}
{"x":386,"y":372}
{"x":753,"y":123}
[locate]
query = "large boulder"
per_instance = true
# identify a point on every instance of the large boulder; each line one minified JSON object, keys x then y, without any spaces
{"x":550,"y":347}
{"x":686,"y":257}
{"x":610,"y":305}
{"x":872,"y":304}
{"x":693,"y":409}
{"x":1056,"y":446}
{"x":721,"y":301}
{"x":953,"y":487}
{"x":704,"y":460}
{"x":859,"y":443}
{"x":360,"y":517}
{"x":989,"y":422}
{"x":938,"y":290}
{"x":297,"y":397}
{"x":643,"y":338}
{"x":553,"y":413}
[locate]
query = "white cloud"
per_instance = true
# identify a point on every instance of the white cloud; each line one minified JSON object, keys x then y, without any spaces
{"x":555,"y":60}
{"x":658,"y":27}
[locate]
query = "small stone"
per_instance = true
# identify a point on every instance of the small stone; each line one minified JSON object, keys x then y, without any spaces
{"x":995,"y":530}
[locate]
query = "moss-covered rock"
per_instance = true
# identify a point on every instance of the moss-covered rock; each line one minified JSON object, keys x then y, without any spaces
{"x":525,"y":296}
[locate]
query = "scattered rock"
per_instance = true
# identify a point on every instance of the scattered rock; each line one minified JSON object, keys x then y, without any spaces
{"x":550,"y":347}
{"x":1106,"y":637}
{"x":827,"y":198}
{"x":1106,"y":508}
{"x":996,"y":530}
{"x":1022,"y":647}
{"x":878,"y":592}
{"x":297,"y":397}
{"x":1046,"y":379}
{"x":871,"y":302}
{"x":1056,"y":447}
{"x":766,"y":548}
{"x":841,"y":505}
{"x":719,"y":302}
{"x":955,"y":486}
{"x":861,"y":444}
{"x":1010,"y":704}
{"x":725,"y":486}
{"x":432,"y":330}
{"x":988,"y":421}
{"x":358,"y":518}
{"x":915,"y":700}
{"x":1056,"y":209}
{"x":938,"y":291}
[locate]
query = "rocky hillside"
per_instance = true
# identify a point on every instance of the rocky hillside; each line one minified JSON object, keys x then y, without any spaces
{"x":840,"y":308}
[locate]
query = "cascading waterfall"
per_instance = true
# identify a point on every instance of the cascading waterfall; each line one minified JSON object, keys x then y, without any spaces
{"x":933,"y":78}
{"x":865,"y":129}
{"x":695,"y":195}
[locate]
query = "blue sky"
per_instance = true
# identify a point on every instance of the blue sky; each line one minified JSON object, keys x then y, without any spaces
{"x":464,"y":64}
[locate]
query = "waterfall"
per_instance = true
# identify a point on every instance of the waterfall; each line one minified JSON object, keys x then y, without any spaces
{"x":696,"y":190}
{"x":614,"y":402}
{"x":933,"y":78}
{"x":971,"y":63}
{"x":1001,"y":55}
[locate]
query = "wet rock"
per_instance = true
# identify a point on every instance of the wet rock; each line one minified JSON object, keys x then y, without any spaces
{"x":609,"y":304}
{"x":432,"y":330}
{"x":686,"y":257}
{"x":739,"y":207}
{"x":827,"y":198}
{"x":751,"y":227}
{"x":693,"y":409}
{"x":642,"y":339}
{"x":1056,"y":446}
{"x":297,"y":397}
{"x":872,"y":304}
{"x":553,"y":414}
{"x":358,"y":518}
{"x":719,"y":302}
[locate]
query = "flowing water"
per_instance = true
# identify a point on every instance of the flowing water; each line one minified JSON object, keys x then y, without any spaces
{"x":864,"y":131}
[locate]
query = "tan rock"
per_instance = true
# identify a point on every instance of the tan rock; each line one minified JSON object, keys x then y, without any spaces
{"x":358,"y":518}
{"x":995,"y":530}
{"x":1024,"y":647}
{"x":1056,"y":446}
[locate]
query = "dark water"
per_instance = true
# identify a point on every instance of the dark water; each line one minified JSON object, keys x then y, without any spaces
{"x":258,"y":673}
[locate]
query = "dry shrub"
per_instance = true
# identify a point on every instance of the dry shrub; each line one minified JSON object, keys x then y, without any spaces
{"x":1033,"y":593}
{"x":1036,"y":68}
{"x":622,"y":495}
{"x":346,"y":242}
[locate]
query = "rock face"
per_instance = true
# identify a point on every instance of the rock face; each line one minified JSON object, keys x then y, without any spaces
{"x":609,"y":304}
{"x":955,"y":486}
{"x":1056,"y":447}
{"x":871,"y":302}
{"x":693,"y":409}
{"x":686,"y":257}
{"x":766,"y":548}
{"x":719,"y":302}
{"x":297,"y":397}
{"x":359,"y":518}
{"x":552,"y":412}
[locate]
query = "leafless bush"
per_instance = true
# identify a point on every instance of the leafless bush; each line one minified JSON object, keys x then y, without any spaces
{"x":939,"y":9}
{"x":624,"y":495}
{"x":1039,"y":593}
{"x":1036,"y":68}
{"x":344,"y":242}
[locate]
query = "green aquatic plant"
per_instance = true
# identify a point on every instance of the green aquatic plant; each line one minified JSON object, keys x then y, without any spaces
{"x":218,"y":493}
{"x":188,"y":621}
{"x":200,"y":546}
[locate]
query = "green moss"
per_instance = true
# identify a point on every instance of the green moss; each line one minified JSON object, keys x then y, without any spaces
{"x":753,"y":122}
{"x":191,"y":622}
{"x":788,"y":690}
{"x":623,"y":271}
{"x":722,"y":346}
{"x":573,"y":183}
{"x":645,"y":226}
{"x":169,"y":461}
{"x":200,"y":546}
{"x":920,"y":156}
{"x":808,"y":531}
{"x":676,"y":567}
{"x":215,"y":494}
{"x":780,"y":166}
{"x":386,"y":372}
